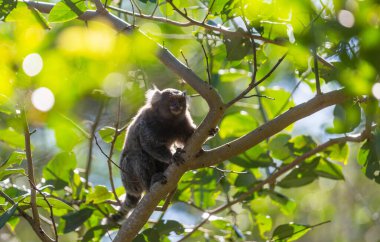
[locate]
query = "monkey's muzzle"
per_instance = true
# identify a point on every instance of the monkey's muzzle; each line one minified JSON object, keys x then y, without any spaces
{"x":176,"y":109}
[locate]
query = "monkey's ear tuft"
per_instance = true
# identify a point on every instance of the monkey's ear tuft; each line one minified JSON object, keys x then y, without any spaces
{"x":153,"y":95}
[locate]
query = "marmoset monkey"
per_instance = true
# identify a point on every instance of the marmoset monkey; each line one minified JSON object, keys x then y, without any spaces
{"x":148,"y":150}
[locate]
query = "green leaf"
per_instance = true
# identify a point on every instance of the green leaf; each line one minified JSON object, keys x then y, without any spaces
{"x":166,"y":9}
{"x":67,"y":133}
{"x":273,"y":107}
{"x":287,"y":205}
{"x":220,"y":223}
{"x":329,"y":170}
{"x":290,"y":232}
{"x":245,"y":180}
{"x":12,"y":138}
{"x":55,"y":203}
{"x":72,"y":221}
{"x":369,"y":158}
{"x":7,"y":215}
{"x":347,"y":117}
{"x":264,"y":223}
{"x":165,"y":227}
{"x":66,"y":10}
{"x":280,"y":147}
{"x":107,"y":134}
{"x":57,"y":171}
{"x":15,"y":193}
{"x":6,"y":6}
{"x":97,"y":232}
{"x":6,"y":173}
{"x":303,"y":143}
{"x":337,"y":152}
{"x":237,"y":46}
{"x":300,"y":176}
{"x":99,"y":194}
{"x":15,"y":158}
{"x":235,"y":125}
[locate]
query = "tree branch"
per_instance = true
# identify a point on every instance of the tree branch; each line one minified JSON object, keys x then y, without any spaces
{"x":36,"y":217}
{"x":231,"y":149}
{"x":90,"y":145}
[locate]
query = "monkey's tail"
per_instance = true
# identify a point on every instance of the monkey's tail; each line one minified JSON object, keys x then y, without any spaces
{"x":129,"y":204}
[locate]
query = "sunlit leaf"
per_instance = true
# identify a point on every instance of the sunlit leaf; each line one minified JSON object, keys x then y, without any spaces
{"x":287,"y":205}
{"x":329,"y":170}
{"x":66,"y":10}
{"x":12,"y":138}
{"x":264,"y":223}
{"x":57,"y":171}
{"x":235,"y":125}
{"x":15,"y":158}
{"x":280,"y":147}
{"x":107,"y":134}
{"x":6,"y":7}
{"x":55,"y":203}
{"x":290,"y":232}
{"x":99,"y":194}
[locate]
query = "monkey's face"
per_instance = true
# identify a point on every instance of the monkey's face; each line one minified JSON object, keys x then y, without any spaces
{"x":174,"y":103}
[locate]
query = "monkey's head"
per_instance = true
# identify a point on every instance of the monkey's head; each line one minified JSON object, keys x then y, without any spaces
{"x":169,"y":103}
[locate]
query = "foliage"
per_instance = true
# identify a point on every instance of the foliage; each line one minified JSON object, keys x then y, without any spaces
{"x":94,"y":80}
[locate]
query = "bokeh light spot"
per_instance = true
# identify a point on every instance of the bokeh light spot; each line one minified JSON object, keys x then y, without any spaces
{"x":346,"y":18}
{"x":32,"y":64}
{"x":376,"y":90}
{"x":43,"y":99}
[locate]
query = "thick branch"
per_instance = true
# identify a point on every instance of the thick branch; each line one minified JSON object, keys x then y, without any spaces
{"x":268,"y":129}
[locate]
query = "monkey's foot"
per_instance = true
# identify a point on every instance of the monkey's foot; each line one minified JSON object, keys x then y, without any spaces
{"x":159,"y":177}
{"x":177,"y":157}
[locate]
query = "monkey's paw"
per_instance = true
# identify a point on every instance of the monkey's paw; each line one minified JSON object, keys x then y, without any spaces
{"x":213,"y":132}
{"x":177,"y":157}
{"x":159,"y":177}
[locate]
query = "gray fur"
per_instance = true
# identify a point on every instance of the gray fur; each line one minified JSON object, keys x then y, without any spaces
{"x":162,"y":122}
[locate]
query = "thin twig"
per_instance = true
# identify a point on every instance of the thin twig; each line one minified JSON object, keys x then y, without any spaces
{"x":209,"y":11}
{"x":111,"y":151}
{"x":228,"y":171}
{"x":258,"y":95}
{"x":187,"y":63}
{"x":51,"y":211}
{"x":288,"y":100}
{"x":109,"y":158}
{"x":92,"y":135}
{"x":29,"y":159}
{"x":35,"y":222}
{"x":316,"y":71}
{"x":255,"y":84}
{"x":207,"y":66}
